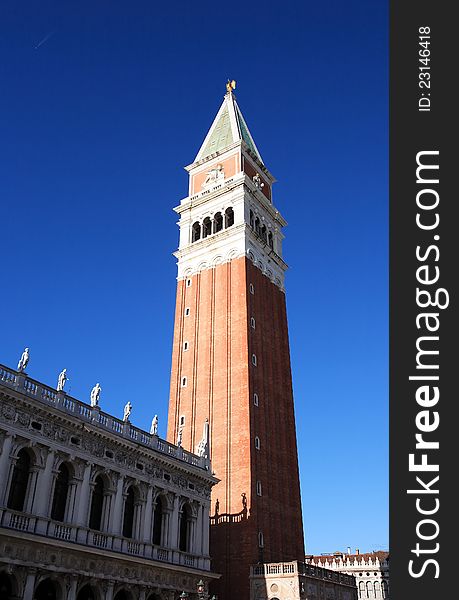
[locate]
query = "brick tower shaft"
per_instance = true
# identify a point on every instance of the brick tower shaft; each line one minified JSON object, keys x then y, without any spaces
{"x":230,"y":361}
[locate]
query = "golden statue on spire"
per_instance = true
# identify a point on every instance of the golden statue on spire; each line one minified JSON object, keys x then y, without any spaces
{"x":230,"y":86}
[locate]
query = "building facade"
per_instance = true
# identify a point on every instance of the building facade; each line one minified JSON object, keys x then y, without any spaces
{"x":93,"y":508}
{"x":300,"y":581}
{"x":230,"y":361}
{"x":370,"y":569}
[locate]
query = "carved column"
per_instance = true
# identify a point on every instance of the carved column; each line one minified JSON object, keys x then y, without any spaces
{"x":197,"y":549}
{"x":42,"y":500}
{"x":72,"y":588}
{"x":148,"y":515}
{"x":205,"y":528}
{"x":109,"y":591}
{"x":29,"y":584}
{"x":4,"y":466}
{"x":31,"y":489}
{"x":174,"y":522}
{"x":83,"y":498}
{"x":118,"y":509}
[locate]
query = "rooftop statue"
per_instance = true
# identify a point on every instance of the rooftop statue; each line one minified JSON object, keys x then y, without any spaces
{"x":95,"y":395}
{"x":22,"y":364}
{"x":61,"y":380}
{"x":127,"y":412}
{"x":154,"y":426}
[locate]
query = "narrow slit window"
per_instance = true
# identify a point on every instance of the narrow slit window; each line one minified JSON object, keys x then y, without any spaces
{"x":187,"y":311}
{"x":255,"y":399}
{"x":254,"y":360}
{"x":252,"y":322}
{"x":257,"y":442}
{"x":251,"y":288}
{"x":185,"y":346}
{"x":184,"y":381}
{"x":188,"y":283}
{"x":259,"y":493}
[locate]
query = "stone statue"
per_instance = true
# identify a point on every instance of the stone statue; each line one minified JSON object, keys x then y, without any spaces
{"x":154,"y":426}
{"x":179,"y":437}
{"x":95,"y":395}
{"x":203,"y":447}
{"x":61,"y":380}
{"x":257,"y":181}
{"x":217,"y":506}
{"x":22,"y":364}
{"x":127,"y":412}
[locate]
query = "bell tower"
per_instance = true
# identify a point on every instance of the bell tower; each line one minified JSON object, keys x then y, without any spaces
{"x":230,"y":361}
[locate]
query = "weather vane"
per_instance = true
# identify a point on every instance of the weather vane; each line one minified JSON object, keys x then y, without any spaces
{"x":230,"y":85}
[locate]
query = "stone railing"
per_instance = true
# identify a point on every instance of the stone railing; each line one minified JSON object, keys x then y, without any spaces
{"x":61,"y":401}
{"x":299,"y":568}
{"x":44,"y":526}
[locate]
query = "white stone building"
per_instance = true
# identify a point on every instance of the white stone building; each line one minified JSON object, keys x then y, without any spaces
{"x":371,"y":571}
{"x":93,"y":508}
{"x":299,"y":581}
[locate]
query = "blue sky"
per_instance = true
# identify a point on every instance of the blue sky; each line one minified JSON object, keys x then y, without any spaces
{"x":102,"y":104}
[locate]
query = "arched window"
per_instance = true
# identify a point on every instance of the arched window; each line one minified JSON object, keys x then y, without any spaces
{"x":251,"y":219}
{"x":206,"y":227}
{"x":19,"y":481}
{"x":185,"y":518}
{"x":128,"y":519}
{"x":229,"y":217}
{"x":370,"y":589}
{"x":46,"y":590}
{"x":257,"y":226}
{"x":271,"y":240}
{"x":158,"y":522}
{"x":97,"y":503}
{"x":61,"y":489}
{"x":86,"y":593}
{"x":196,"y":232}
{"x":384,"y":588}
{"x":6,"y":586}
{"x":264,"y":233}
{"x":218,"y":222}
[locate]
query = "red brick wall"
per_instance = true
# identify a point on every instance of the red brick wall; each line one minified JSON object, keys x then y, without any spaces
{"x":221,"y":384}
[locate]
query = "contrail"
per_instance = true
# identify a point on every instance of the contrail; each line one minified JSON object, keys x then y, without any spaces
{"x":45,"y":39}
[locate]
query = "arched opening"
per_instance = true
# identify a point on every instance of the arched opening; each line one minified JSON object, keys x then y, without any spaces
{"x":129,"y":507}
{"x":370,"y":589}
{"x":158,"y":522}
{"x":46,"y":590}
{"x":218,"y":222}
{"x":61,"y":490}
{"x":206,"y":227}
{"x":184,"y":528}
{"x":196,"y":232}
{"x":7,"y":587}
{"x":257,"y":226}
{"x":97,"y":503}
{"x":229,"y":217}
{"x":263,"y":233}
{"x":19,"y":481}
{"x":122,"y":595}
{"x":86,"y":593}
{"x":252,"y":222}
{"x":271,"y":240}
{"x":385,"y":590}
